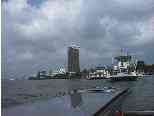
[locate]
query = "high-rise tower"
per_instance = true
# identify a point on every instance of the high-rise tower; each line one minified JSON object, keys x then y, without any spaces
{"x":73,"y":59}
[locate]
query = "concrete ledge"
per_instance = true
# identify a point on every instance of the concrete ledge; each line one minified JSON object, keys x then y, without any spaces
{"x":139,"y":113}
{"x":113,"y":105}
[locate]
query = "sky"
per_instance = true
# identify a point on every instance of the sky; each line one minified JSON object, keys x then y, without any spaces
{"x":37,"y":33}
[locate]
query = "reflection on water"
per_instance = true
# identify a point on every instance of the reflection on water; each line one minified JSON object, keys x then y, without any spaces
{"x":141,"y":97}
{"x":23,"y":91}
{"x":77,"y":103}
{"x":76,"y":99}
{"x":75,"y":96}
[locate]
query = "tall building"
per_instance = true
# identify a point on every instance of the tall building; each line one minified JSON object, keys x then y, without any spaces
{"x":73,"y":59}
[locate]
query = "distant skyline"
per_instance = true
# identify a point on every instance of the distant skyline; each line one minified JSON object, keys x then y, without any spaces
{"x":37,"y":33}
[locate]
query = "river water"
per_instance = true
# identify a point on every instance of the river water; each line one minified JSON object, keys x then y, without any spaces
{"x":18,"y":92}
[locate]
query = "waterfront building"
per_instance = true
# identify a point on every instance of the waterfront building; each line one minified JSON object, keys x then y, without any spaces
{"x":73,"y":59}
{"x":100,"y":72}
{"x":140,"y":67}
{"x":59,"y":70}
{"x":41,"y":74}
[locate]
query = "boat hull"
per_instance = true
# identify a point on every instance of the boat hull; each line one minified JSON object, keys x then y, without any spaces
{"x":123,"y":78}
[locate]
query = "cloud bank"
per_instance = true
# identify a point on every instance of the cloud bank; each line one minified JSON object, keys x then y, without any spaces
{"x":36,"y":34}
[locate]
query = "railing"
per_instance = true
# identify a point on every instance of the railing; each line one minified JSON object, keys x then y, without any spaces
{"x":113,"y":106}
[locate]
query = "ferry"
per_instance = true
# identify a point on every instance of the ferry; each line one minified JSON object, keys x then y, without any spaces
{"x":124,"y":69}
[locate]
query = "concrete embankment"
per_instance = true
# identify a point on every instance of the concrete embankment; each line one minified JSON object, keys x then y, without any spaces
{"x":113,"y":105}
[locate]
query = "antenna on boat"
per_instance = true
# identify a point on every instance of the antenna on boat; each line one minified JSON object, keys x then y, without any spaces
{"x":112,"y":60}
{"x":121,"y":52}
{"x":127,"y":53}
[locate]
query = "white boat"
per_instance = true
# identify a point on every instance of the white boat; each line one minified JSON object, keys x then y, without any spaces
{"x":124,"y":70}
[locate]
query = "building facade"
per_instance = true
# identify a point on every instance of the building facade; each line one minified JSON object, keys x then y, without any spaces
{"x":73,"y":59}
{"x":99,"y":73}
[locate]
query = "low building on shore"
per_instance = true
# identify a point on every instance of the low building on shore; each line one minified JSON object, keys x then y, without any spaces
{"x":100,"y":72}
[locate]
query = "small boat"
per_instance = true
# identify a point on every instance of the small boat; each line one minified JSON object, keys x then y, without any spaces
{"x":11,"y":79}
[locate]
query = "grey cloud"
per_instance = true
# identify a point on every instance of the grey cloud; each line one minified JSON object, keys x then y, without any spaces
{"x":35,"y":38}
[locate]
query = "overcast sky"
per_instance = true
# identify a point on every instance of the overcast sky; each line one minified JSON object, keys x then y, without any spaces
{"x":36,"y":33}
